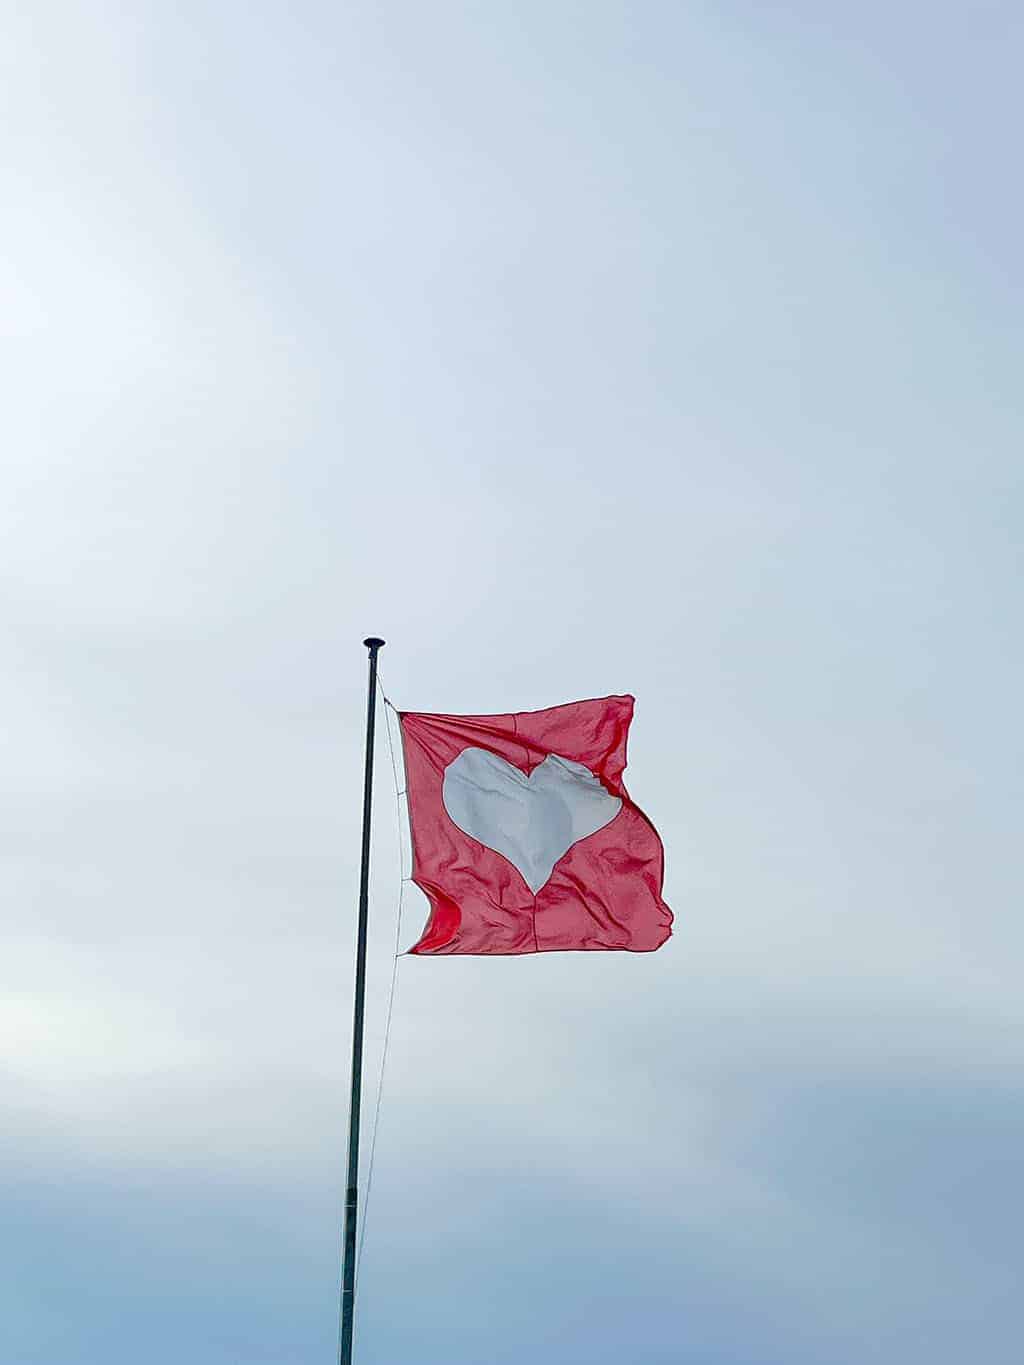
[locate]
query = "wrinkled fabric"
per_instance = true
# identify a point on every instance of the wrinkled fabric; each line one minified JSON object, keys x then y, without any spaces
{"x":524,"y":837}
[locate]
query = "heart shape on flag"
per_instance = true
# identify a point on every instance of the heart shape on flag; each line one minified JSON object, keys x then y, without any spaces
{"x":532,"y":820}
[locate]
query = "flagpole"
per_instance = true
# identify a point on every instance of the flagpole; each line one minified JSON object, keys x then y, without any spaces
{"x":348,"y":1267}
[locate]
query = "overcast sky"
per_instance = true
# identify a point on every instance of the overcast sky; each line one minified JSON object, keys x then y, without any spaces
{"x":575,"y":348}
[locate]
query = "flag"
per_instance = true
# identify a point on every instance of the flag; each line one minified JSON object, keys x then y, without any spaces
{"x":524,"y":838}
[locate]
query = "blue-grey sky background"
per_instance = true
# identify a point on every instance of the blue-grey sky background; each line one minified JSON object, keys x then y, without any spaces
{"x":574,"y":348}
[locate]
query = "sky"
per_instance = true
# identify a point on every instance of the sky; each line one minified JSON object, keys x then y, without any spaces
{"x":669,"y":348}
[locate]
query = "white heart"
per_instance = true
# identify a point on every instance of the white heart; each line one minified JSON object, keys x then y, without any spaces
{"x":532,"y":821}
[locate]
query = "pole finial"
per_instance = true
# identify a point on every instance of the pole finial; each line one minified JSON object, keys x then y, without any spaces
{"x":372,"y":642}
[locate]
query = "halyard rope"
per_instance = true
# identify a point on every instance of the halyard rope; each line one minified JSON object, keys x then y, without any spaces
{"x":394,"y":977}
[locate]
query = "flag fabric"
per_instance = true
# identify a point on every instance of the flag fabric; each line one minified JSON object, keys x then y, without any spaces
{"x":524,"y":838}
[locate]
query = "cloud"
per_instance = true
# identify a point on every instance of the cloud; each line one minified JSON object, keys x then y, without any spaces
{"x":572,"y":353}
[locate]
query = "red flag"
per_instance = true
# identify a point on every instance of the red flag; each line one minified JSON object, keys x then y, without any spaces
{"x":525,"y":839}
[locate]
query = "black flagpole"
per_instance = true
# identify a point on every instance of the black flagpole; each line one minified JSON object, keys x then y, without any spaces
{"x":348,"y":1265}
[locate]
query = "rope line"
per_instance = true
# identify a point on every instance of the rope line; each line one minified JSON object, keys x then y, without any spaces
{"x":391,"y":991}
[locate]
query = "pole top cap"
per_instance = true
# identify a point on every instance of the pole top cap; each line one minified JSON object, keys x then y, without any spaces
{"x":372,"y":642}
